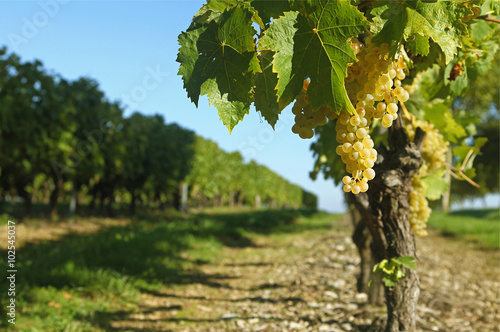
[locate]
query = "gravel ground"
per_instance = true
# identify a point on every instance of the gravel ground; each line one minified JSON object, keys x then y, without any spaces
{"x":306,"y":282}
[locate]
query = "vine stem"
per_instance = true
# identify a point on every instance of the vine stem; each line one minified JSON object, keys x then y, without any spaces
{"x":452,"y":169}
{"x":489,"y":19}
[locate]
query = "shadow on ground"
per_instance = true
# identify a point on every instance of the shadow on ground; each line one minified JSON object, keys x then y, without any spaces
{"x":144,"y":254}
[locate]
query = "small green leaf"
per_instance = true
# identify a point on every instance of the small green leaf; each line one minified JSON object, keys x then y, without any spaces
{"x":463,"y":150}
{"x":480,"y":30}
{"x":435,"y":185}
{"x":440,"y":115}
{"x":406,"y":261}
{"x":388,"y":280}
{"x":458,"y":84}
{"x":399,"y":274}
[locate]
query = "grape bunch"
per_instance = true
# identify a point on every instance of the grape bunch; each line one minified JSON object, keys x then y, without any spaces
{"x":373,"y":85}
{"x":356,"y":150}
{"x":419,"y":208}
{"x":434,"y":148}
{"x":306,"y":119}
{"x":374,"y":82}
{"x":433,"y":151}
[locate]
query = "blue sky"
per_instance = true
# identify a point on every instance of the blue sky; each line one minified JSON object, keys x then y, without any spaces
{"x":130,"y":48}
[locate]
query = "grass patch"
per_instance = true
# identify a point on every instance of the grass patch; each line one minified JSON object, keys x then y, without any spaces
{"x":479,"y":226}
{"x":84,"y":281}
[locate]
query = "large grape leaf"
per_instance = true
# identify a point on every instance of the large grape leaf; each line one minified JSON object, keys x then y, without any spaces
{"x":222,"y":5}
{"x":270,"y":9}
{"x":313,"y":44}
{"x":218,"y":59}
{"x":439,"y":20}
{"x":230,"y":112}
{"x":419,"y":45}
{"x":265,"y":95}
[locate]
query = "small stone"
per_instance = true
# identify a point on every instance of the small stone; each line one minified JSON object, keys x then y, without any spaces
{"x":331,"y":294}
{"x":339,"y":283}
{"x":313,"y":304}
{"x":346,"y":327}
{"x":361,"y":297}
{"x":340,"y":247}
{"x":349,"y":268}
{"x":351,"y":306}
{"x":295,"y":325}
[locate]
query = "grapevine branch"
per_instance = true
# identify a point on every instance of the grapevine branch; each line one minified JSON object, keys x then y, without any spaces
{"x":460,"y":170}
{"x":489,"y":19}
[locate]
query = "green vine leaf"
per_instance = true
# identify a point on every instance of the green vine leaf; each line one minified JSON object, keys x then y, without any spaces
{"x":462,"y":151}
{"x":439,"y":20}
{"x":406,"y":261}
{"x":435,"y":185}
{"x":390,"y":271}
{"x":439,"y":115}
{"x":265,"y":95}
{"x":222,"y":5}
{"x":419,"y":45}
{"x":230,"y":112}
{"x":219,"y":60}
{"x":314,"y":45}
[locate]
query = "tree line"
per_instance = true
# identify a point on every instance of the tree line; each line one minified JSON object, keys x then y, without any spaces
{"x":62,"y":139}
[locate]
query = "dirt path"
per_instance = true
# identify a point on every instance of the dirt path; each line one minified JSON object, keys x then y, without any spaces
{"x":306,"y":282}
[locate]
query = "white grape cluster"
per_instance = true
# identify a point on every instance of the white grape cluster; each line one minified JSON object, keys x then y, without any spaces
{"x":356,"y":150}
{"x":374,"y":82}
{"x":419,"y":208}
{"x":434,"y":148}
{"x":374,"y":86}
{"x":306,"y":119}
{"x":433,"y":151}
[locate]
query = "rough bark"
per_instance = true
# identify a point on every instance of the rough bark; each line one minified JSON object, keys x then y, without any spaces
{"x":388,"y":200}
{"x":362,"y":238}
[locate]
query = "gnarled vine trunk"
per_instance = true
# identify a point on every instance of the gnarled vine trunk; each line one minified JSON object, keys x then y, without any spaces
{"x":361,"y":216}
{"x":384,"y":211}
{"x":388,"y":201}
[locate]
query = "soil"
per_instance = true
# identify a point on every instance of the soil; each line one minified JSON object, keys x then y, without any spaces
{"x":306,"y":282}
